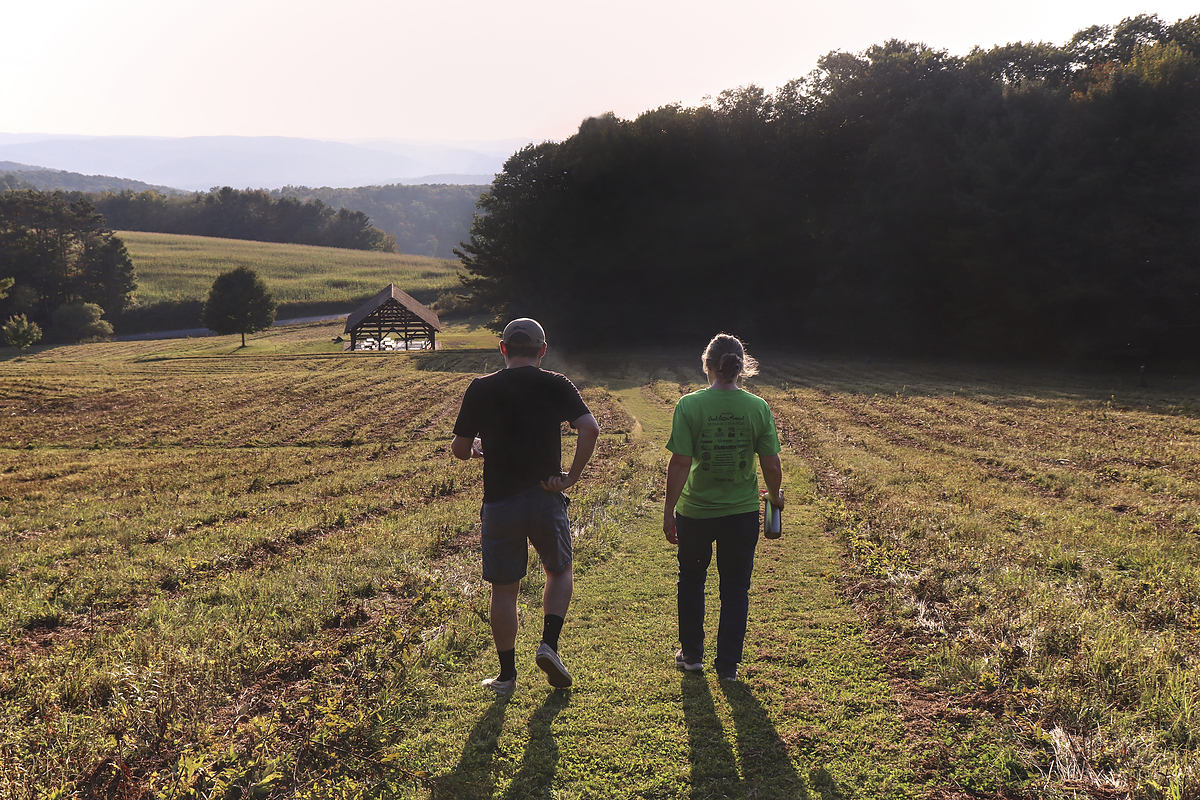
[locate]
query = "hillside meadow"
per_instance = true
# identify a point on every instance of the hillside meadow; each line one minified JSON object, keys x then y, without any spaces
{"x":254,"y":572}
{"x":172,"y":267}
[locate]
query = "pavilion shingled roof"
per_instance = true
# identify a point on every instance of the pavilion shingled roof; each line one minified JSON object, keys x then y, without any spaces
{"x":403,"y":298}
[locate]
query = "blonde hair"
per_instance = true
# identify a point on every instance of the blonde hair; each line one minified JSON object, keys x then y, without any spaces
{"x":727,"y":356}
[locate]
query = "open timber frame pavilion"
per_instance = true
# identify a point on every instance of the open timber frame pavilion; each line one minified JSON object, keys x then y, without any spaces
{"x":396,"y":313}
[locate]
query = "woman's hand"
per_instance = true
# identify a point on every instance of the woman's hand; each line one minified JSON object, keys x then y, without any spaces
{"x":777,"y":498}
{"x":772,"y":471}
{"x":669,"y":527}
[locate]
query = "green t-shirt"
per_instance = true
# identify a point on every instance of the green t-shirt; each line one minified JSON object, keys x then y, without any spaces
{"x":722,"y":430}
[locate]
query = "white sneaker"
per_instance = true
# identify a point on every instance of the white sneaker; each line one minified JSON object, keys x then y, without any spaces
{"x":682,"y":662}
{"x":549,"y":662}
{"x":498,"y":686}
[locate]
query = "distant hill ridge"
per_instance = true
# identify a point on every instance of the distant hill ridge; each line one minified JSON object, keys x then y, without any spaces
{"x":452,"y":179}
{"x":199,"y":163}
{"x":429,"y":216}
{"x":47,"y":180}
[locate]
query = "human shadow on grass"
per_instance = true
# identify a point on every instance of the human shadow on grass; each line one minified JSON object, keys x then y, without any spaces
{"x":473,"y":776}
{"x":767,"y":769}
{"x":714,"y":766}
{"x":535,"y":779}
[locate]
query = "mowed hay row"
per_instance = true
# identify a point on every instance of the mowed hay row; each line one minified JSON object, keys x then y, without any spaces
{"x":263,"y":403}
{"x":1032,"y":551}
{"x":182,"y":615}
{"x":148,"y":627}
{"x":98,"y":528}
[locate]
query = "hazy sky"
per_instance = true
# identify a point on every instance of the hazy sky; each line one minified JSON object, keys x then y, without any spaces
{"x":451,"y":69}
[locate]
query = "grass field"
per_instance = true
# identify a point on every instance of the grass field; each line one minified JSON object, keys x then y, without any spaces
{"x":254,"y":573}
{"x":176,"y":267}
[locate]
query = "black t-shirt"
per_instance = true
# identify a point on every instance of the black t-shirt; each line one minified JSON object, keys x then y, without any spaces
{"x":517,"y":414}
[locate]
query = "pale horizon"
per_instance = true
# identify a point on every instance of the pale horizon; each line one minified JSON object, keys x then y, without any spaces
{"x":471,"y":72}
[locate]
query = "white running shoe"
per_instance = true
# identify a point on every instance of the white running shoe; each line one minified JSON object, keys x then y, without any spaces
{"x":549,"y":663}
{"x":498,"y":686}
{"x":682,"y":662}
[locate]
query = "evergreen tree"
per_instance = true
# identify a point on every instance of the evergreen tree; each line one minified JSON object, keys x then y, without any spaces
{"x":58,"y":251}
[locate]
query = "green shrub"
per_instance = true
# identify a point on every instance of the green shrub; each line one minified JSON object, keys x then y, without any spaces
{"x":78,"y":322}
{"x":20,"y":332}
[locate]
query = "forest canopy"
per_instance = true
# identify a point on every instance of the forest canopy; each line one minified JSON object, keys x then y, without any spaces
{"x":243,"y":214}
{"x":427,"y":220}
{"x":1029,"y":200}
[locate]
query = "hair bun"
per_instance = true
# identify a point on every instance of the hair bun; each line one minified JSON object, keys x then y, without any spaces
{"x":731,"y":366}
{"x":726,"y":356}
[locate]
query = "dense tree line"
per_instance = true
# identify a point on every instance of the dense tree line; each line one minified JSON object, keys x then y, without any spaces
{"x":244,"y":214}
{"x":66,"y":267}
{"x":1027,"y":200}
{"x":10,"y":181}
{"x":427,"y":220}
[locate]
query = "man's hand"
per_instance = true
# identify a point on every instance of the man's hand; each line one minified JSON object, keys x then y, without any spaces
{"x":558,"y":483}
{"x":669,"y":527}
{"x":585,"y":445}
{"x":465,"y":449}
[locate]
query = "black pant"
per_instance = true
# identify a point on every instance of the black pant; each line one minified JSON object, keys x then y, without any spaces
{"x":736,"y":536}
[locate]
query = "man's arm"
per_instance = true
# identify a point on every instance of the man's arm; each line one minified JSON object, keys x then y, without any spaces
{"x":677,"y":472}
{"x":465,"y":448}
{"x":585,"y":445}
{"x":772,"y":471}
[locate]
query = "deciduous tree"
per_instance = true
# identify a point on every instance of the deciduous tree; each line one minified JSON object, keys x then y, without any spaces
{"x":1027,"y":200}
{"x":238,"y":303}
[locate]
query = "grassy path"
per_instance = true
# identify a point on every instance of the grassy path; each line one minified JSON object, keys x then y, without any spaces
{"x":813,"y":716}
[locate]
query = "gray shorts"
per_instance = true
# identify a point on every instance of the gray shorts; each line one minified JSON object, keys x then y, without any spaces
{"x":533,"y":516}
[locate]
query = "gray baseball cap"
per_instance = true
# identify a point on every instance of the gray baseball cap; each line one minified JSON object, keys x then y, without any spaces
{"x":523,"y":331}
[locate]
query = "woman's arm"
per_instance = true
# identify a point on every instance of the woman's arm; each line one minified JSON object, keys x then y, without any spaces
{"x":772,"y":470}
{"x":677,"y":472}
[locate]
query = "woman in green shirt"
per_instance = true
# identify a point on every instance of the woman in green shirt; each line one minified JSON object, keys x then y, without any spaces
{"x":713,"y":497}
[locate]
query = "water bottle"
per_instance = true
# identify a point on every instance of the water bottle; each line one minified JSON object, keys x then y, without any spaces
{"x":772,"y":521}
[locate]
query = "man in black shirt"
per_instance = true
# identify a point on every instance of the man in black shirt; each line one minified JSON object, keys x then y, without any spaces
{"x":514,"y":416}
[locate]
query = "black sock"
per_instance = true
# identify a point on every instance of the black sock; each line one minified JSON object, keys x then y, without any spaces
{"x":508,"y":664}
{"x":551,"y":628}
